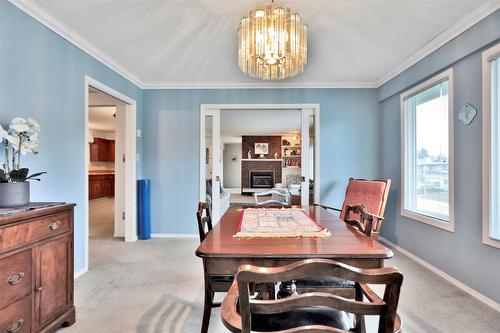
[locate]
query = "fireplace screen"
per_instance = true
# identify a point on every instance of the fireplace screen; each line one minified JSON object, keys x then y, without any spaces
{"x":261,"y":179}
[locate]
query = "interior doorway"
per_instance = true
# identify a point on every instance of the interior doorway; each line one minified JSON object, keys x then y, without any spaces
{"x":245,"y":170}
{"x":290,"y":137}
{"x":110,"y":168}
{"x":102,"y":140}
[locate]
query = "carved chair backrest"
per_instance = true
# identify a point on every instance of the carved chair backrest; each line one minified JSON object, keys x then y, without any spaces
{"x":363,"y":222}
{"x":204,"y":220}
{"x":385,"y":307}
{"x":370,"y":193}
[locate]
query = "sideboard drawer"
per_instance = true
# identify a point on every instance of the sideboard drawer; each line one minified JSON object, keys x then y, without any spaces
{"x":15,"y":278}
{"x":20,"y":234}
{"x":16,"y":318}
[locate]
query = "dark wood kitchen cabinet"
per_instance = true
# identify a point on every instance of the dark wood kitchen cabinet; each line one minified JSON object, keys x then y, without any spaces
{"x":101,"y":185}
{"x":102,"y":150}
{"x":36,"y":270}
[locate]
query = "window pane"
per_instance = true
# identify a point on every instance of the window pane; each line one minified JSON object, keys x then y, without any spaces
{"x":495,"y":152}
{"x":427,"y":152}
{"x":432,"y":153}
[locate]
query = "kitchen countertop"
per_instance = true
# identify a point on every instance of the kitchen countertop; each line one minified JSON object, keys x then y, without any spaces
{"x":101,"y":172}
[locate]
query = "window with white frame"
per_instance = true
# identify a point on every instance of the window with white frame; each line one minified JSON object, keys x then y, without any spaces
{"x":491,"y":146}
{"x":427,"y":152}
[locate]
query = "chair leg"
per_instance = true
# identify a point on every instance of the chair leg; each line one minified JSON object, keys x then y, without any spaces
{"x":209,"y":298}
{"x":271,"y":291}
{"x":360,"y":319}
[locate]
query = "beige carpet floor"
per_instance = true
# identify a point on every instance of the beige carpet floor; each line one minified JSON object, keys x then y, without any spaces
{"x":102,"y":217}
{"x":157,"y":286}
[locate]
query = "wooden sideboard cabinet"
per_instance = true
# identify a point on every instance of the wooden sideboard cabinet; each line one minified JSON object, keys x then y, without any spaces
{"x":36,"y":270}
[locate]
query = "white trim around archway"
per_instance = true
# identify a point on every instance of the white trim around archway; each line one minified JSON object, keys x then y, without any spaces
{"x":129,"y":161}
{"x":214,"y":110}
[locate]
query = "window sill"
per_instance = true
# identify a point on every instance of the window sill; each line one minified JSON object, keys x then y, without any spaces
{"x":491,"y":242}
{"x":448,"y":226}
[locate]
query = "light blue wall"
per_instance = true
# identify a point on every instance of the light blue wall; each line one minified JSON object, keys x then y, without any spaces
{"x":460,"y":254}
{"x":42,"y":76}
{"x":349,"y":143}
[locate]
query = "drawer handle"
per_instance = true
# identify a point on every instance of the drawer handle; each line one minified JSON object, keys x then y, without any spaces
{"x":15,"y":279}
{"x":55,"y":225}
{"x":16,"y":326}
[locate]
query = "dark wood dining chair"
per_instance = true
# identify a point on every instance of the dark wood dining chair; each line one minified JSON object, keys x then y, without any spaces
{"x":372,"y":194}
{"x":204,"y":220}
{"x":363,"y":222}
{"x":216,"y":283}
{"x":314,"y":311}
{"x":331,"y":284}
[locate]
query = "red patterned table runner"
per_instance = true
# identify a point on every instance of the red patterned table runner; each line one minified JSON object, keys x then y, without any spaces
{"x":278,"y":223}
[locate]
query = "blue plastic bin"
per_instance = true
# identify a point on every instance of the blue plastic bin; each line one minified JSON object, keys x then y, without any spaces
{"x":144,"y":209}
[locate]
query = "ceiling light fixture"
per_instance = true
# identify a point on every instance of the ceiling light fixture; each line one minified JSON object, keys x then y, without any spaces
{"x":272,"y":43}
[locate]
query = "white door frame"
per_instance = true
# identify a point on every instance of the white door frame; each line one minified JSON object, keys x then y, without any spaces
{"x":130,"y":163}
{"x":306,"y":109}
{"x":216,"y":156}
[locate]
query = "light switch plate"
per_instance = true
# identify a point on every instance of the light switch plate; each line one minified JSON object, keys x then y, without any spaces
{"x":139,"y":133}
{"x":467,"y":114}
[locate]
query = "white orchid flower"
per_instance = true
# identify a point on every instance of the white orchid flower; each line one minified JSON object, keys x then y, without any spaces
{"x":35,"y":127}
{"x":13,"y":139}
{"x":29,"y":147}
{"x":34,"y":138}
{"x":19,"y":125}
{"x":3,"y":133}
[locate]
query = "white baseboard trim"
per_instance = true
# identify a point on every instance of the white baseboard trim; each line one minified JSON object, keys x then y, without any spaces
{"x":190,"y":236}
{"x":80,"y":273}
{"x":133,"y":239}
{"x":477,"y":295}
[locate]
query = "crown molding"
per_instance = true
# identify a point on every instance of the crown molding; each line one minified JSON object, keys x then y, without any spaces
{"x":39,"y":14}
{"x":264,"y":85}
{"x":442,"y":38}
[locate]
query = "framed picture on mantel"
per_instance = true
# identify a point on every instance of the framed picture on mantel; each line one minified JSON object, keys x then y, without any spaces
{"x":262,"y":148}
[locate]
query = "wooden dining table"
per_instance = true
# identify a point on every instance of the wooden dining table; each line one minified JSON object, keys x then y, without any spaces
{"x":223,"y":254}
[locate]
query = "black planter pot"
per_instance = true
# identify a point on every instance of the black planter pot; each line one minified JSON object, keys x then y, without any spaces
{"x":14,"y":194}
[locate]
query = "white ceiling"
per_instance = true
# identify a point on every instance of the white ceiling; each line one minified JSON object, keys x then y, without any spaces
{"x":101,"y":118}
{"x":235,"y":123}
{"x":193,"y":43}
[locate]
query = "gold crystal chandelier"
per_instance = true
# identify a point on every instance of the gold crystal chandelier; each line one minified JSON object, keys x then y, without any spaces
{"x":272,"y":43}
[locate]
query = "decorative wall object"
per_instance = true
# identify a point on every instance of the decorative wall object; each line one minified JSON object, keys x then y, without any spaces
{"x":467,"y":114}
{"x":262,"y":148}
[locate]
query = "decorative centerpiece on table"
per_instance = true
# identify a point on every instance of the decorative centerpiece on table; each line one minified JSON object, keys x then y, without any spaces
{"x":19,"y":139}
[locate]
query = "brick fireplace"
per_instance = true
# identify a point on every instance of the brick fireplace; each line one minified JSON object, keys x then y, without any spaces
{"x":261,"y":179}
{"x":260,"y":173}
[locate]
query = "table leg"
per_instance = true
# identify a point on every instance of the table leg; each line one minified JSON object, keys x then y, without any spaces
{"x":209,"y":298}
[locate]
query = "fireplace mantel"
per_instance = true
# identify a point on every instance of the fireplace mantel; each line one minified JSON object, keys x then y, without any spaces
{"x":261,"y":159}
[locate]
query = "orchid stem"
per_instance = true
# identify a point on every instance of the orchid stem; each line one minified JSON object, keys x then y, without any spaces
{"x":19,"y":152}
{"x":6,"y":168}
